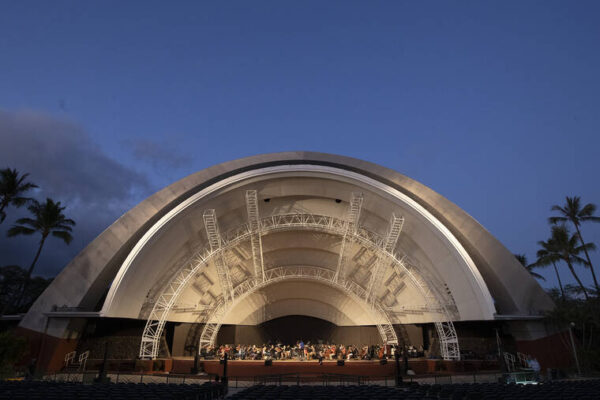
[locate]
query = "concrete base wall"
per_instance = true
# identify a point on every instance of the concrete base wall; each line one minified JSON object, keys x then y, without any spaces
{"x":553,"y":351}
{"x":45,"y":351}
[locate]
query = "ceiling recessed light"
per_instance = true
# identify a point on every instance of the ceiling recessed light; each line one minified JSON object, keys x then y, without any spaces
{"x":338,"y":201}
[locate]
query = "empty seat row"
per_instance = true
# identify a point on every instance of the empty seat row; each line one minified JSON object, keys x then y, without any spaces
{"x":16,"y":390}
{"x":585,"y":389}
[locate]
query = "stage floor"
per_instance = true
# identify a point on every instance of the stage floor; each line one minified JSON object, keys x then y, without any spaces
{"x":251,"y":368}
{"x":374,"y":368}
{"x":255,"y":368}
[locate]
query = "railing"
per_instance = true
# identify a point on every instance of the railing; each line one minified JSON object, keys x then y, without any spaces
{"x":324,"y":379}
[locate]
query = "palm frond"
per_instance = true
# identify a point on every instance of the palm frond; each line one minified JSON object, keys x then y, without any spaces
{"x":34,"y":207}
{"x":522,"y":259}
{"x":27,"y":186}
{"x":67,"y":221}
{"x":64,"y":235}
{"x":587,"y":211}
{"x":579,"y":261}
{"x":557,"y":220}
{"x":27,"y":221}
{"x":536,"y":275}
{"x":12,"y":186}
{"x":20,"y":201}
{"x":591,"y":219}
{"x":588,"y":246}
{"x":63,"y":227}
{"x":20,"y":230}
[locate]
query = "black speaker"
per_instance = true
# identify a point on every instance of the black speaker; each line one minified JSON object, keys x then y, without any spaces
{"x":268,"y":363}
{"x":340,"y":363}
{"x":383,"y":361}
{"x":195,"y":369}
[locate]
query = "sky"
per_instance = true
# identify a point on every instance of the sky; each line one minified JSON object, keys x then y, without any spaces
{"x":494,"y":104}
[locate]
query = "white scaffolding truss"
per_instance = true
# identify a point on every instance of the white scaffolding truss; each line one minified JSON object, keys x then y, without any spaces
{"x":255,"y":239}
{"x":149,"y":345}
{"x":323,"y":275}
{"x":389,"y":243}
{"x":429,"y":288}
{"x":352,"y":217}
{"x":214,"y":239}
{"x":444,"y":326}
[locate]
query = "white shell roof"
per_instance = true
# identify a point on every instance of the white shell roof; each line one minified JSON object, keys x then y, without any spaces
{"x":139,"y":253}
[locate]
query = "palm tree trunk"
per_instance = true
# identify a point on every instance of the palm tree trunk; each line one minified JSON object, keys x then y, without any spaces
{"x":30,"y":270}
{"x":562,"y":291}
{"x":587,"y":256}
{"x":577,"y":279}
{"x":2,"y":207}
{"x":37,"y":256}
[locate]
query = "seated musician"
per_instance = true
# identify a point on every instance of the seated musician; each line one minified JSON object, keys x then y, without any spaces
{"x":380,"y":351}
{"x":332,"y":351}
{"x":363,"y":353}
{"x":342,"y":352}
{"x":350,"y":352}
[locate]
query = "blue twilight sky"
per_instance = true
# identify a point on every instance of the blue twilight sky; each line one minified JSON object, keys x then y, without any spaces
{"x":494,"y":104}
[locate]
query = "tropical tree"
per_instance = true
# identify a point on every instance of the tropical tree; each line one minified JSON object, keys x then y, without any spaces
{"x":12,"y":280}
{"x":574,"y":213}
{"x":548,"y":255}
{"x":13,"y":348}
{"x":48,"y":219}
{"x":566,"y":248}
{"x":583,"y":316}
{"x":522,"y":258}
{"x":12,"y":188}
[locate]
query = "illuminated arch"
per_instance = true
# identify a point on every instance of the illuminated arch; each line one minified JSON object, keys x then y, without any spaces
{"x":460,"y":267}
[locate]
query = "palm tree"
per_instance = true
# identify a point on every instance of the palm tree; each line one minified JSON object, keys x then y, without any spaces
{"x":522,"y":258}
{"x":48,"y":219}
{"x":12,"y":187}
{"x":566,"y":248}
{"x":573,"y":212}
{"x":548,"y":255}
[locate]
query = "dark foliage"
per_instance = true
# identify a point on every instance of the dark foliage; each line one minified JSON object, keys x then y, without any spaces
{"x":12,"y":282}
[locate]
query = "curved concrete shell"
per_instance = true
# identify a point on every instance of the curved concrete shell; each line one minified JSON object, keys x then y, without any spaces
{"x":124,"y":272}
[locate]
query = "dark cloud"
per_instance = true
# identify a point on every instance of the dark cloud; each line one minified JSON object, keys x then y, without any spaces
{"x":158,"y":154}
{"x":63,"y":160}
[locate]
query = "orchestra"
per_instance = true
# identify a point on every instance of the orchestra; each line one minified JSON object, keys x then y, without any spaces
{"x":301,"y":351}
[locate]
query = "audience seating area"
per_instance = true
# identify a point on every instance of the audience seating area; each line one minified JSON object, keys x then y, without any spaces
{"x":580,"y":390}
{"x":17,"y":390}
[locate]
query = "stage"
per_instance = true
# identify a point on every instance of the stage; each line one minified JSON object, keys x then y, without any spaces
{"x":375,"y":368}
